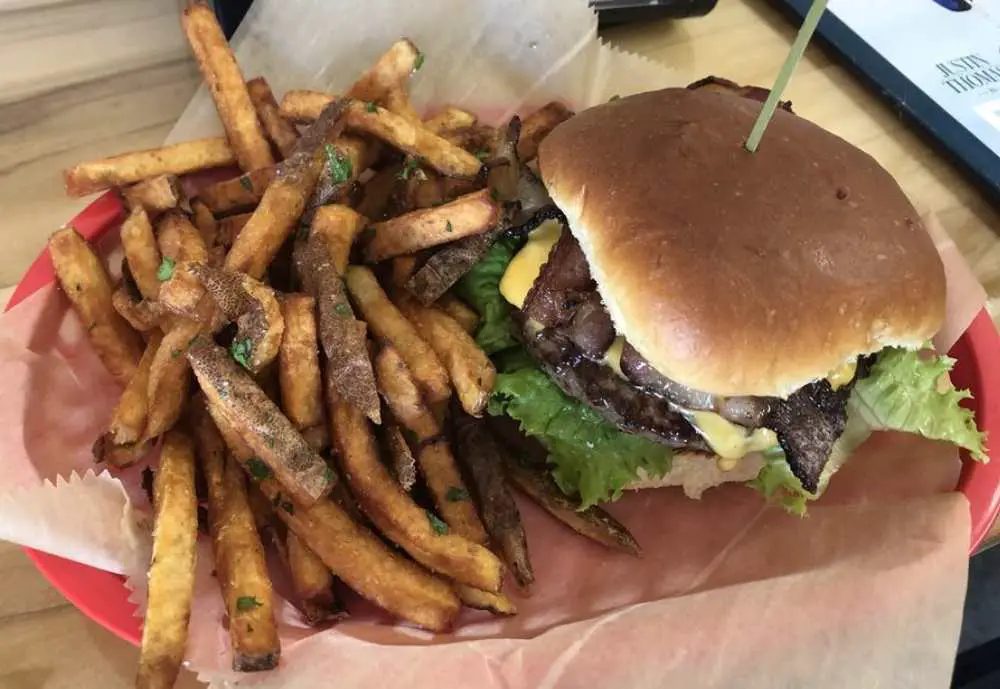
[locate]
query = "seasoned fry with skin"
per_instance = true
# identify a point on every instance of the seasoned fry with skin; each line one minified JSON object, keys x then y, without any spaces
{"x":434,"y":456}
{"x":450,"y":119}
{"x":253,"y":306}
{"x":128,"y":168}
{"x":413,"y":138}
{"x":343,"y":337}
{"x":464,"y":314}
{"x":386,"y":322}
{"x":285,"y":199}
{"x":141,"y":252}
{"x":155,"y":195}
{"x":389,"y":72}
{"x":298,"y":365}
{"x":140,"y":314}
{"x":471,"y":371}
{"x":181,"y":246}
{"x":482,"y":458}
{"x":205,"y":221}
{"x":593,"y":522}
{"x":338,"y":226}
{"x":88,"y":287}
{"x":169,"y":379}
{"x":171,"y":574}
{"x":221,"y":72}
{"x":351,"y":156}
{"x":240,"y":566}
{"x":402,"y":463}
{"x":128,"y":418}
{"x":281,"y":132}
{"x":303,"y":106}
{"x":396,"y":515}
{"x":537,"y":126}
{"x":120,"y":456}
{"x":357,"y":556}
{"x":237,"y":401}
{"x":238,"y":194}
{"x":468,"y":215}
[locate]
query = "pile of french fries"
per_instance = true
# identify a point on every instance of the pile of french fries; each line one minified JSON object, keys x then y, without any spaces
{"x":267,"y":338}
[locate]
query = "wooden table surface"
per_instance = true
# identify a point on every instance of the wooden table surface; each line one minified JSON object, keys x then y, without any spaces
{"x":91,"y":78}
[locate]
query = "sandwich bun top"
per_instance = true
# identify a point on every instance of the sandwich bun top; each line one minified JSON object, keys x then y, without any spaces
{"x":741,"y":273}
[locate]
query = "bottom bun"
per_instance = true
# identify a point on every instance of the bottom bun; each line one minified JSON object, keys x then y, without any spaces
{"x":696,"y":472}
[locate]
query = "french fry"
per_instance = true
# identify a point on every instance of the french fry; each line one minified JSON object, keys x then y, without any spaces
{"x":537,"y":126}
{"x":378,"y":192}
{"x":471,"y":371}
{"x":298,"y":367}
{"x":471,"y":214}
{"x":155,"y":195}
{"x":237,"y":401}
{"x":402,"y":463}
{"x":447,"y":266}
{"x":312,"y":581}
{"x":285,"y":199}
{"x":128,"y":418}
{"x":434,"y":455}
{"x":389,"y":72}
{"x":253,"y":306}
{"x":86,"y":283}
{"x":348,"y":367}
{"x":205,"y":221}
{"x":482,"y":459}
{"x":338,"y":225}
{"x":420,"y":533}
{"x":240,"y":567}
{"x":403,"y":268}
{"x":397,"y":100}
{"x":141,"y":252}
{"x":464,"y":314}
{"x":225,"y":83}
{"x":593,"y":522}
{"x":281,"y":132}
{"x":239,"y":193}
{"x":230,"y":228}
{"x":450,"y":119}
{"x":386,"y":322}
{"x":171,"y":575}
{"x":345,"y":159}
{"x":120,"y":456}
{"x":302,"y":106}
{"x":128,"y":168}
{"x":413,"y":138}
{"x":140,"y":314}
{"x":357,"y":556}
{"x":496,"y":603}
{"x":181,"y":246}
{"x":169,"y":379}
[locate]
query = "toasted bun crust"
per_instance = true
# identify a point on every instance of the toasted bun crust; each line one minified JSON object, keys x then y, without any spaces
{"x":738,"y":273}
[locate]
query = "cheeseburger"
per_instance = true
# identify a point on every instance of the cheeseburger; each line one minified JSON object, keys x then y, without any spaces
{"x":690,"y":313}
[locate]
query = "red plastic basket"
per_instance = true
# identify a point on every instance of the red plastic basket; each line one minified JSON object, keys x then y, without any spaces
{"x":103,"y":597}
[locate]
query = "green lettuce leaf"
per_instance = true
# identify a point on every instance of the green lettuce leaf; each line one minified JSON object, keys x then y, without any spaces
{"x":778,"y":484}
{"x":904,"y":392}
{"x":480,"y":287}
{"x":590,"y":457}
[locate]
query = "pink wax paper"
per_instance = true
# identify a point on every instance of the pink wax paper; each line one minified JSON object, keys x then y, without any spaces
{"x":867,"y":591}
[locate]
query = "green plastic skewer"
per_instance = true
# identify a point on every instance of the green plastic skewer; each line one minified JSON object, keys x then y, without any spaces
{"x":785,"y":75}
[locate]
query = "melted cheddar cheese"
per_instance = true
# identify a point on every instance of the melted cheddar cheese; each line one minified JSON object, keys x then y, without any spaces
{"x":527,"y":263}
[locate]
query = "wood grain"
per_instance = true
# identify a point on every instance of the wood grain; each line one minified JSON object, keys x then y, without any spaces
{"x":97,"y":77}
